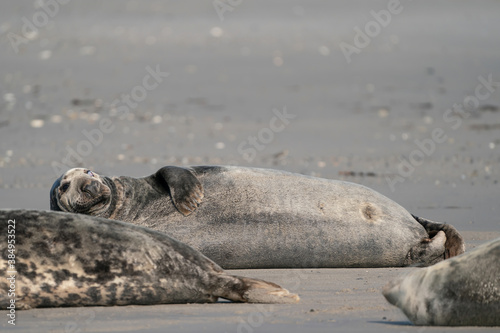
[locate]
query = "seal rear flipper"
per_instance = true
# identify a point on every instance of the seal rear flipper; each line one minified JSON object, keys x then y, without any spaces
{"x":455,"y":243}
{"x":248,"y":290}
{"x":428,"y":251}
{"x":185,"y":189}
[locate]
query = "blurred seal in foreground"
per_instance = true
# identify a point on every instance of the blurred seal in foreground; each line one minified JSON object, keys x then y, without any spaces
{"x":462,"y":291}
{"x":64,"y":259}
{"x":261,"y":218}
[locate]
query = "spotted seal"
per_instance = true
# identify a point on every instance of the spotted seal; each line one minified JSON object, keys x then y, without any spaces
{"x":261,"y":218}
{"x":462,"y":291}
{"x":64,"y":259}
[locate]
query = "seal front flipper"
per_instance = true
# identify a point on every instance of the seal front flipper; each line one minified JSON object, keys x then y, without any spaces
{"x":428,"y":252}
{"x":455,"y":243}
{"x":185,"y":188}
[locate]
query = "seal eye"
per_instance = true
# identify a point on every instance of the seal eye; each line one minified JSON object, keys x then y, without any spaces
{"x":64,"y":187}
{"x":90,"y":173}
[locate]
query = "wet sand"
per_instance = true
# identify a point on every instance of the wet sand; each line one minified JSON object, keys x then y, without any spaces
{"x":373,"y":120}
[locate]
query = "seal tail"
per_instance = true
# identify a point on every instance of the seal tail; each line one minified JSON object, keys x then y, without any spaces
{"x":248,"y":290}
{"x":454,"y":244}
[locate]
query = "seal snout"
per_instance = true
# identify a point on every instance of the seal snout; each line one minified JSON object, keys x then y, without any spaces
{"x":91,"y":187}
{"x":392,"y":292}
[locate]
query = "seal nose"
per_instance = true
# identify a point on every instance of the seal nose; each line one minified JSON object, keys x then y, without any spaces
{"x":91,"y":188}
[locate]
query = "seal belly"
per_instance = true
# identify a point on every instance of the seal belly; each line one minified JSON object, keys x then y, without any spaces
{"x":273,"y":219}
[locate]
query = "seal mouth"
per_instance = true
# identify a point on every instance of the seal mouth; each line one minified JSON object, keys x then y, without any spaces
{"x":87,"y":206}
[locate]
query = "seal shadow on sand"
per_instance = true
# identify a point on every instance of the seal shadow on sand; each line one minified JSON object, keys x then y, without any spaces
{"x":391,"y":323}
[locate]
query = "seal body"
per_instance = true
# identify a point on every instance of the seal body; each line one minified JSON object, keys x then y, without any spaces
{"x":64,"y":259}
{"x":462,"y":291}
{"x":261,"y":218}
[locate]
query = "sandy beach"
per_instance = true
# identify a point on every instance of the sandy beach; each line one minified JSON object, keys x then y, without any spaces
{"x":403,"y":99}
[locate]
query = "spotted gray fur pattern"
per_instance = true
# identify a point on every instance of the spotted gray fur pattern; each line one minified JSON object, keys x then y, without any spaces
{"x":65,"y":259}
{"x":462,"y":291}
{"x":260,"y":218}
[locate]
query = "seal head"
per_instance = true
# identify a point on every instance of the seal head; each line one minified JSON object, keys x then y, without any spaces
{"x":461,"y":291}
{"x":81,"y":190}
{"x":84,"y":191}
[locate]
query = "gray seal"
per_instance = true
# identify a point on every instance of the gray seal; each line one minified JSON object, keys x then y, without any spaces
{"x":462,"y":291}
{"x":261,"y":218}
{"x":63,"y":259}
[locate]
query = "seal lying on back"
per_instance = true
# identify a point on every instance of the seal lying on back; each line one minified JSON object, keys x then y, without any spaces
{"x":260,"y":218}
{"x":463,"y":291}
{"x":66,"y":259}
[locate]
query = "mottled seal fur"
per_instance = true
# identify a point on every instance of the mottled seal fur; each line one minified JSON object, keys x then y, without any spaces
{"x":260,"y":218}
{"x":462,"y":291}
{"x":65,"y":259}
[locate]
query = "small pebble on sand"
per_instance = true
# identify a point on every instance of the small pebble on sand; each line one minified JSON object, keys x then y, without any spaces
{"x":216,"y":32}
{"x":383,"y":113}
{"x":278,"y":61}
{"x":87,"y":50}
{"x":157,"y":119}
{"x":46,"y":54}
{"x":324,"y":50}
{"x":9,"y":98}
{"x":37,"y":123}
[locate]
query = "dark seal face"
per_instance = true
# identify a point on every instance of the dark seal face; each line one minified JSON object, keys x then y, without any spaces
{"x":80,"y":190}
